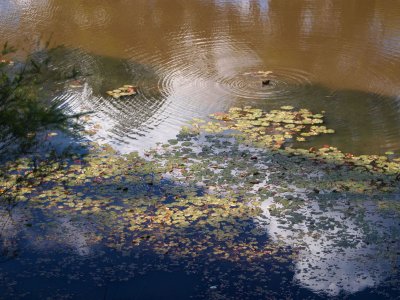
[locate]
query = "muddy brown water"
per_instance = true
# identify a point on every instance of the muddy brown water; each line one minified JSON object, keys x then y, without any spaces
{"x":342,"y":57}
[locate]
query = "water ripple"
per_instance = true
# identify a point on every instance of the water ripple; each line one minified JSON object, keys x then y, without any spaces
{"x":284,"y":83}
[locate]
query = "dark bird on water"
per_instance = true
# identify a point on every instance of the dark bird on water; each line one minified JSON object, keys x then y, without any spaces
{"x":266,"y":82}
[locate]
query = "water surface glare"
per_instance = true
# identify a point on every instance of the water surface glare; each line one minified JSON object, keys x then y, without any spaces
{"x":338,"y":56}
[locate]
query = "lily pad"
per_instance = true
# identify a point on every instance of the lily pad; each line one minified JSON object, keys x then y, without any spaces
{"x":126,"y":90}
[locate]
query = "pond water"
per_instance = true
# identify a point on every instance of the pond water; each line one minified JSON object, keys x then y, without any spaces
{"x":338,"y":56}
{"x":206,"y":215}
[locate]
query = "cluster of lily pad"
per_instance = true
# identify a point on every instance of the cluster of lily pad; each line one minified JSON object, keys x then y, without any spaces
{"x":273,"y":129}
{"x":198,"y":201}
{"x":279,"y":129}
{"x":138,"y":206}
{"x":126,"y":90}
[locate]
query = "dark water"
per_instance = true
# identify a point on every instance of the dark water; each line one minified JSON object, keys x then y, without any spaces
{"x":72,"y":238}
{"x":342,"y":57}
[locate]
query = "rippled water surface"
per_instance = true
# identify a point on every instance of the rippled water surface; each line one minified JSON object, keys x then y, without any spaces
{"x":162,"y":229}
{"x":191,"y":58}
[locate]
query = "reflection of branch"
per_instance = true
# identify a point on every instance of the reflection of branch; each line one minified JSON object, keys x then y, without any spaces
{"x":105,"y":292}
{"x":8,"y":196}
{"x":6,"y":221}
{"x":5,"y":253}
{"x":39,"y":170}
{"x":5,"y":143}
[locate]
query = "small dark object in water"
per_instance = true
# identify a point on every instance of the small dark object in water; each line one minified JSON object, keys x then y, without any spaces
{"x":266,"y":82}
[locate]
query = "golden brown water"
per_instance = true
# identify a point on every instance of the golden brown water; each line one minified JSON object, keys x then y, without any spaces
{"x":341,"y":56}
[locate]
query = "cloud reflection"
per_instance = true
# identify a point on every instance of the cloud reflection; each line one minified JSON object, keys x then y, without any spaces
{"x":343,"y":248}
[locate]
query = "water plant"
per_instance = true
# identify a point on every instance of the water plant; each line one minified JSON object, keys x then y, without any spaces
{"x":221,"y":200}
{"x":24,"y":112}
{"x":126,"y":90}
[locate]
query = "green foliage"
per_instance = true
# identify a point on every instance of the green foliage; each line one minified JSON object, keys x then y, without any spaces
{"x":23,"y":113}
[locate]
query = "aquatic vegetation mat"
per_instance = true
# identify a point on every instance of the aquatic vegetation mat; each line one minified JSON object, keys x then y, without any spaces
{"x":230,"y":201}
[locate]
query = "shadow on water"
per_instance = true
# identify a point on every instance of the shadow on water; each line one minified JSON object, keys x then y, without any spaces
{"x":91,"y":255}
{"x":338,"y":218}
{"x":204,"y":217}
